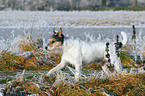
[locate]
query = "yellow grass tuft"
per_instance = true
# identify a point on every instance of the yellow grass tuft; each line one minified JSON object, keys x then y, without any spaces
{"x":26,"y":87}
{"x":12,"y":61}
{"x":27,"y":46}
{"x":126,"y":59}
{"x":131,"y":84}
{"x":93,"y":66}
{"x":32,"y":88}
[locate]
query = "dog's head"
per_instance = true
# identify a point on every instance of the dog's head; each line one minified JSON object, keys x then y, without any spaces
{"x":56,"y":39}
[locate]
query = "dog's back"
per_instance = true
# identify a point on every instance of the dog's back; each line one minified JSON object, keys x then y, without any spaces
{"x":93,"y":52}
{"x":86,"y":52}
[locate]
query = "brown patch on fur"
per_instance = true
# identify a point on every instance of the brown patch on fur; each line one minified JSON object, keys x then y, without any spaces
{"x":54,"y":43}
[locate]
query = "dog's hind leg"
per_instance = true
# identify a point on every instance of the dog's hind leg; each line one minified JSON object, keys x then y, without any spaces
{"x":118,"y":65}
{"x":57,"y":68}
{"x":105,"y":68}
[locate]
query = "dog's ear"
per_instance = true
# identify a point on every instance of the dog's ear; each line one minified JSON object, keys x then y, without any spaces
{"x":60,"y":32}
{"x":54,"y":31}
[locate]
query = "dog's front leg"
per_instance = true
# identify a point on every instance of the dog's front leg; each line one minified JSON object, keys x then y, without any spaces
{"x":57,"y":68}
{"x":118,"y":66}
{"x":77,"y":72}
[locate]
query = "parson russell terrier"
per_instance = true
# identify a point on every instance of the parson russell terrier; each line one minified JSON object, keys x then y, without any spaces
{"x":82,"y":53}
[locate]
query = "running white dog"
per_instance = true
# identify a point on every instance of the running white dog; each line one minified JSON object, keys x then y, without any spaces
{"x":82,"y":53}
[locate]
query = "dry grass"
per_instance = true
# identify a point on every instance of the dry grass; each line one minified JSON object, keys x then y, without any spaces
{"x":31,"y":88}
{"x":24,"y":88}
{"x":12,"y":61}
{"x":27,"y":46}
{"x":128,"y":84}
{"x":131,"y":84}
{"x":126,"y":60}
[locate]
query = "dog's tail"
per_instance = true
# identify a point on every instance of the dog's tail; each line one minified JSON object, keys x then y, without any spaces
{"x":124,"y":41}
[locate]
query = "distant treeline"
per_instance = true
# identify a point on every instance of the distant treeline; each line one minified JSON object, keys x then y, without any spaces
{"x":48,"y":5}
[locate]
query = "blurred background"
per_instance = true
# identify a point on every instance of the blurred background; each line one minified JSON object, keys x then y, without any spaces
{"x":68,"y":5}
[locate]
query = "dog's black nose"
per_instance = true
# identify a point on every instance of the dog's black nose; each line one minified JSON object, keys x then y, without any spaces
{"x":46,"y":47}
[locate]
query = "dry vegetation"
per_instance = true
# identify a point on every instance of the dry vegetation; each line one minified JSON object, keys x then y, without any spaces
{"x":131,"y":84}
{"x":126,"y":84}
{"x":34,"y":61}
{"x":12,"y":62}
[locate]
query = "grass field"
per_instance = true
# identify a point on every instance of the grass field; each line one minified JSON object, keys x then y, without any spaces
{"x":23,"y":66}
{"x":129,"y":82}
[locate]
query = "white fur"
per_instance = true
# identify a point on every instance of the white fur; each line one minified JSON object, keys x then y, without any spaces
{"x":81,"y":53}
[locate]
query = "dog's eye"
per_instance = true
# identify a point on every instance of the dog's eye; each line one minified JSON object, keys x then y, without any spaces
{"x":53,"y":42}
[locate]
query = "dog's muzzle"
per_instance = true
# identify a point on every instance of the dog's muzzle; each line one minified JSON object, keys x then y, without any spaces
{"x":49,"y":48}
{"x":46,"y":47}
